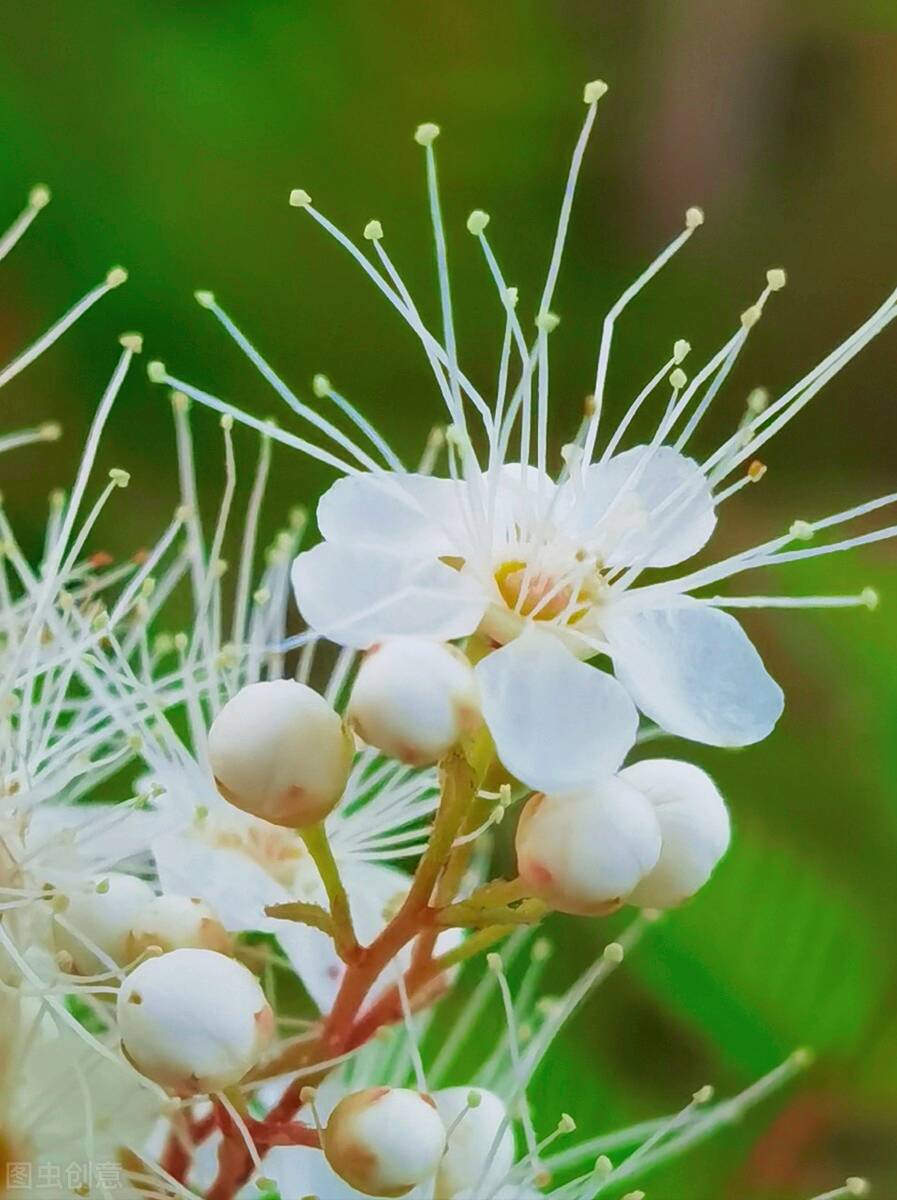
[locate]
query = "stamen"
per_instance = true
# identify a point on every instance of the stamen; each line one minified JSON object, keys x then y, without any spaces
{"x":114,"y":279}
{"x":693,"y":218}
{"x":207,"y":300}
{"x":38,"y":198}
{"x":592,"y":94}
{"x":158,"y":374}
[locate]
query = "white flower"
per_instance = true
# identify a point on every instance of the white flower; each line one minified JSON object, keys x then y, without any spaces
{"x":279,"y":751}
{"x":694,"y":827}
{"x":95,"y":926}
{"x":480,"y":1142}
{"x":509,"y":546}
{"x":384,"y":1141}
{"x":193,"y":1021}
{"x":173,"y":922}
{"x":585,"y":852}
{"x":414,"y":699}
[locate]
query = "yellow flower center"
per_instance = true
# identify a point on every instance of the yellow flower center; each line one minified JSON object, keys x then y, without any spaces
{"x":276,"y":851}
{"x":538,"y":594}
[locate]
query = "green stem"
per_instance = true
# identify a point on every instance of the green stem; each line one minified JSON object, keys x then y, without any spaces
{"x":318,"y":846}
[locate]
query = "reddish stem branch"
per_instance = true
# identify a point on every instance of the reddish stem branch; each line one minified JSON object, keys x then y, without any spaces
{"x":458,"y":787}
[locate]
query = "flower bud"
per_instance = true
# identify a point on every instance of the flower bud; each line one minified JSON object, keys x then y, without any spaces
{"x":466,"y":1164}
{"x":193,"y":1020}
{"x":173,"y":922}
{"x":413,"y":699}
{"x":583,"y":852}
{"x":384,"y":1141}
{"x":280,"y":752}
{"x":694,"y":825}
{"x":99,"y":919}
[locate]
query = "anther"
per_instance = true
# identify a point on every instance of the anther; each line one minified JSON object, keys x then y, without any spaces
{"x":802,"y":530}
{"x":116,"y":277}
{"x":299,"y":198}
{"x":680,"y":350}
{"x":870,"y":598}
{"x":678,"y":379}
{"x":758,"y":400}
{"x":51,"y":431}
{"x":156,"y":371}
{"x":593,"y":91}
{"x":119,"y":477}
{"x":426,"y":134}
{"x":132,"y":342}
{"x":802,"y":1058}
{"x":776,"y":278}
{"x":547,"y":321}
{"x":694,"y":217}
{"x":613,"y":952}
{"x":477,"y":222}
{"x":320,"y":385}
{"x":756,"y":471}
{"x":206,"y":299}
{"x":39,"y":196}
{"x":373,"y":231}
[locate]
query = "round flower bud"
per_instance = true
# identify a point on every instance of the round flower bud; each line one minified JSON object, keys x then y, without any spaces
{"x":470,"y":1143}
{"x":694,"y":825}
{"x":173,"y":922}
{"x":583,"y":852}
{"x":384,"y":1141}
{"x":100,"y":919}
{"x":413,"y":699}
{"x":280,"y":752}
{"x":193,"y":1020}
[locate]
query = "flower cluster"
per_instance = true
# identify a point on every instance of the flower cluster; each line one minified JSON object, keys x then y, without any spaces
{"x":217,"y":972}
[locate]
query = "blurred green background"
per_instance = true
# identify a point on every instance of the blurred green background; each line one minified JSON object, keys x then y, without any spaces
{"x":171,"y":135}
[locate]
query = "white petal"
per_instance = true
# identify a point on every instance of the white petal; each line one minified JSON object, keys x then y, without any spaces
{"x":358,"y":595}
{"x":558,"y":724}
{"x":413,"y":512}
{"x":227,"y":879}
{"x":656,"y":515}
{"x":693,"y":670}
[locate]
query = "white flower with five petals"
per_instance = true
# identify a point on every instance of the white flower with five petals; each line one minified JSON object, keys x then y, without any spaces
{"x":548,"y":569}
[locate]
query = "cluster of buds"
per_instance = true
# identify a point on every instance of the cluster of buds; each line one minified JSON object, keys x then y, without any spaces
{"x":649,"y":836}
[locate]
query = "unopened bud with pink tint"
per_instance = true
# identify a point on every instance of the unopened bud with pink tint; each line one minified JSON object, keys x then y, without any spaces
{"x":480,"y":1150}
{"x":584,"y":852}
{"x":172,"y":922}
{"x":280,"y":752}
{"x":694,"y":826}
{"x":414,"y":699}
{"x":193,"y":1021}
{"x":384,"y":1141}
{"x":93,"y":925}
